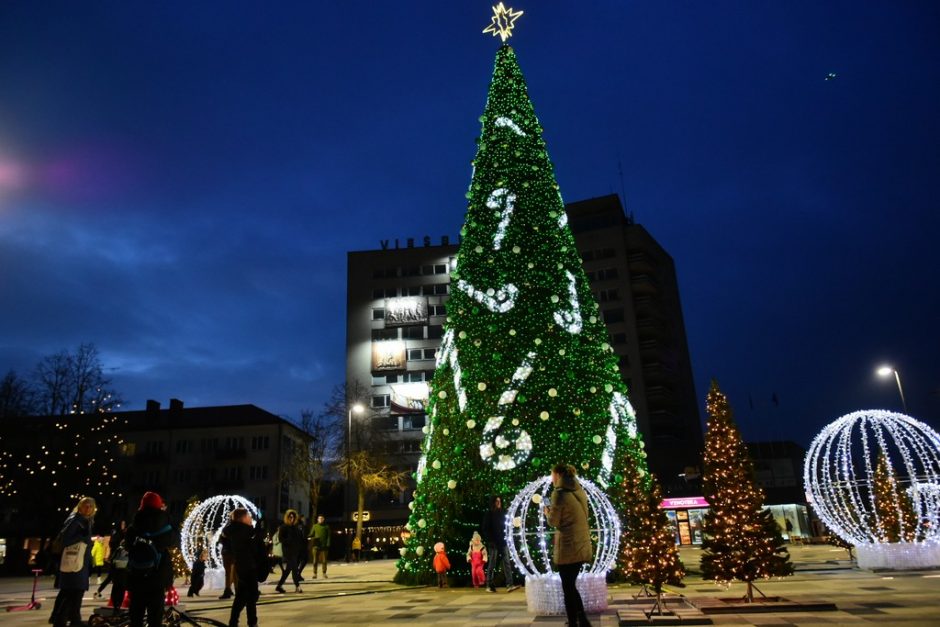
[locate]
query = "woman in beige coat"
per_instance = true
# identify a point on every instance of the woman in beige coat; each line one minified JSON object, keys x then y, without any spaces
{"x":568,"y":513}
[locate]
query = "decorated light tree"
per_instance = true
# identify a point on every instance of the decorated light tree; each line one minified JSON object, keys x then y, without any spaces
{"x":525,"y":376}
{"x":895,"y":514}
{"x":648,"y":553}
{"x":742,"y":541}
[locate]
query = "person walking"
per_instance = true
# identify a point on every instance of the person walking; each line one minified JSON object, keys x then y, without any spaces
{"x":114,"y":541}
{"x":292,"y":543}
{"x":568,"y":513}
{"x":246,"y":546}
{"x":75,"y":564}
{"x":494,"y":533}
{"x":476,"y":557}
{"x":150,"y":567}
{"x":304,"y":556}
{"x":97,"y":558}
{"x":320,"y":544}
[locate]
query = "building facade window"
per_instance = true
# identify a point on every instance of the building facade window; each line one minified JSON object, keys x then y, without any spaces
{"x":421,"y":354}
{"x":613,"y":315}
{"x":381,"y":400}
{"x":260,"y":442}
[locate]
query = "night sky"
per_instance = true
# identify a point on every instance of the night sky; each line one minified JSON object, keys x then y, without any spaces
{"x":180,"y":182}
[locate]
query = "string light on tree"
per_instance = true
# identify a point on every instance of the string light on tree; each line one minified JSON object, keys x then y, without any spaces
{"x":525,"y":377}
{"x":871,"y":476}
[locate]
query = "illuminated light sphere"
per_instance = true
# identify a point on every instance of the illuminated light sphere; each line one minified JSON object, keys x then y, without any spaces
{"x":203,"y":526}
{"x":839,"y":479}
{"x":531,"y":544}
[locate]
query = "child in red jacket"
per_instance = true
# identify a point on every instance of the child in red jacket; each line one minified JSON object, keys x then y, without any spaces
{"x":441,"y":564}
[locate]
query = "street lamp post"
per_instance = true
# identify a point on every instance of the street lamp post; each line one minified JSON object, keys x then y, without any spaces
{"x":357,"y":409}
{"x":887,"y":371}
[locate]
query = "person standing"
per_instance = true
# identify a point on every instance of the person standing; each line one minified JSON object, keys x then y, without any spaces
{"x":97,"y":558}
{"x":114,"y":541}
{"x":494,"y":532}
{"x":75,"y":564}
{"x":320,"y":544}
{"x":198,"y":574}
{"x":150,"y":567}
{"x":292,"y":543}
{"x":246,"y":546}
{"x":568,"y":513}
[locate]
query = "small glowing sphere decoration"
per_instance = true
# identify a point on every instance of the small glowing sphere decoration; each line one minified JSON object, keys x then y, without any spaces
{"x":203,"y":526}
{"x":531,"y":541}
{"x":839,"y":478}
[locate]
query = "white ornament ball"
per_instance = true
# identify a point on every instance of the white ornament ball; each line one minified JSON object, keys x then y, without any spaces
{"x":471,"y":423}
{"x":554,"y":298}
{"x":402,"y":551}
{"x":512,"y":331}
{"x":442,"y":394}
{"x":576,"y":411}
{"x":536,"y":498}
{"x":608,"y":387}
{"x":515,"y":422}
{"x":446,"y":431}
{"x":411,"y":506}
{"x":560,"y":265}
{"x":592,"y":319}
{"x":481,"y":386}
{"x":419,"y":551}
{"x":451,"y":484}
{"x":462,"y":335}
{"x":593,"y":390}
{"x":561,"y":352}
{"x":516,"y":249}
{"x":516,"y":522}
{"x":490,"y":292}
{"x":476,"y":342}
{"x":552,"y":392}
{"x":478,"y":249}
{"x":422,"y":523}
{"x":544,"y":415}
{"x":530,"y":265}
{"x":596,"y":439}
{"x":538,"y":341}
{"x":436,"y":464}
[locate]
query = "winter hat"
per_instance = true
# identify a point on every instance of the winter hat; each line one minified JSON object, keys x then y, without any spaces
{"x":151,"y":500}
{"x":439,"y":547}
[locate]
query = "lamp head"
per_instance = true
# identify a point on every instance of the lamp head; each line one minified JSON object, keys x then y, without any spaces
{"x":885,"y":371}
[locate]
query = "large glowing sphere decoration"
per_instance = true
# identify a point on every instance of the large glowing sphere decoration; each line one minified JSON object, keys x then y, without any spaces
{"x":839,"y":472}
{"x":531,"y":542}
{"x":203,"y":526}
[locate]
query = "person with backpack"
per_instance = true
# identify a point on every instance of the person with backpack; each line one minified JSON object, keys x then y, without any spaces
{"x":74,"y":544}
{"x":250,"y":556}
{"x":149,"y":566}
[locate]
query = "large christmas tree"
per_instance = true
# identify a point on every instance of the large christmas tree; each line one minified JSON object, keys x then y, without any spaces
{"x":525,"y":376}
{"x":742,"y":541}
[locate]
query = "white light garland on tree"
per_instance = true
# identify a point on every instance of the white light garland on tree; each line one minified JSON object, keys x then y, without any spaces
{"x":570,"y":320}
{"x":203,"y":526}
{"x":530,"y":544}
{"x":499,"y":301}
{"x":505,"y":199}
{"x":838,"y":475}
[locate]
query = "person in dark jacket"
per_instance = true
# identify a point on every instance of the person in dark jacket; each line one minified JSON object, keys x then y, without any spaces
{"x":293,"y":543}
{"x":67,"y":608}
{"x":148,"y":586}
{"x":117,"y":536}
{"x":197,"y":577}
{"x":245,"y":545}
{"x":568,"y":513}
{"x":494,"y":534}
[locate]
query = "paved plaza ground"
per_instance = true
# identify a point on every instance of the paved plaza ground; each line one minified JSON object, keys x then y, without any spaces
{"x":362,"y":594}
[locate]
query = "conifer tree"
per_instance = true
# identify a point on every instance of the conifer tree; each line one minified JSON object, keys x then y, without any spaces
{"x":742,"y":542}
{"x":894,"y":512}
{"x":648,"y":552}
{"x":525,"y":376}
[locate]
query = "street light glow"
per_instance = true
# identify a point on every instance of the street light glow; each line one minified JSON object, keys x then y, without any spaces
{"x":885,"y":371}
{"x":358,"y":409}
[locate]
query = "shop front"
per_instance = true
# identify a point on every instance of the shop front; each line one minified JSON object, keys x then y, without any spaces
{"x":685,"y":514}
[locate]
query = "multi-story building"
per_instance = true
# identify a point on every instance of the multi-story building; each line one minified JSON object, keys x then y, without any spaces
{"x":396,"y":306}
{"x":181,"y":452}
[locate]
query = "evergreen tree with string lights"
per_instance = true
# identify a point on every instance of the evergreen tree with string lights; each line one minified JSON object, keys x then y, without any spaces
{"x":648,"y":553}
{"x":742,"y":542}
{"x":894,"y":512}
{"x":525,"y":376}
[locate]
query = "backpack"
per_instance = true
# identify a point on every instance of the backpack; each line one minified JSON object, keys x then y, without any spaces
{"x":262,"y":559}
{"x":143,"y":556}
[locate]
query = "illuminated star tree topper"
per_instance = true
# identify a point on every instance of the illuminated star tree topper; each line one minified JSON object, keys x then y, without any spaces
{"x":502,"y":22}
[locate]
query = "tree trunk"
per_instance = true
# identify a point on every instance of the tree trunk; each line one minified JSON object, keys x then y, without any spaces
{"x":362,"y":505}
{"x":750,"y":592}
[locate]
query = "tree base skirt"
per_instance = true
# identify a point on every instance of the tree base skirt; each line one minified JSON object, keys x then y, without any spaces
{"x":898,"y":555}
{"x":544,"y":598}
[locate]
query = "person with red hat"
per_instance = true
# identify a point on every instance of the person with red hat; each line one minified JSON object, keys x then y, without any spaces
{"x":150,"y":569}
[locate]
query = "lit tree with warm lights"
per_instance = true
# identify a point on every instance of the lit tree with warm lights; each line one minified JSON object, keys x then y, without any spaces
{"x":525,"y":376}
{"x":893,"y":509}
{"x":742,"y":541}
{"x":648,"y":553}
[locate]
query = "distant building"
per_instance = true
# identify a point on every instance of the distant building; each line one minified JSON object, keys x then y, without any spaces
{"x":205,"y":451}
{"x":396,"y":307}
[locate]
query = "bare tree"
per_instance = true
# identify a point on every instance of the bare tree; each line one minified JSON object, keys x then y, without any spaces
{"x":73,"y":383}
{"x":16,"y":397}
{"x":371,"y":475}
{"x":308,"y":463}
